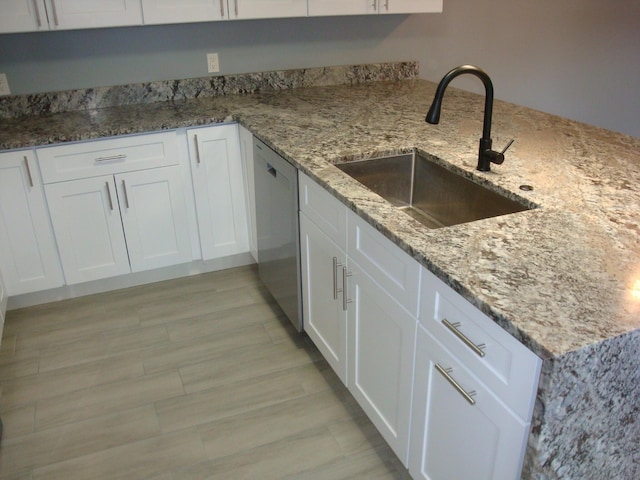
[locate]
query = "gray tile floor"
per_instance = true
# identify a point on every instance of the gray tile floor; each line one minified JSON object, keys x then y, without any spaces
{"x":195,"y":378}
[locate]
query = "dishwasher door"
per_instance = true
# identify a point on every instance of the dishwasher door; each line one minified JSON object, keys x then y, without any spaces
{"x":278,"y":238}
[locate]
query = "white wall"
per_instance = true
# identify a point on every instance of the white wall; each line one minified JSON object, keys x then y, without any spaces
{"x":576,"y":58}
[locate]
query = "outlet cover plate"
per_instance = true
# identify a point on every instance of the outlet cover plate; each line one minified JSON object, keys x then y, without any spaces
{"x":213,"y":64}
{"x":4,"y":85}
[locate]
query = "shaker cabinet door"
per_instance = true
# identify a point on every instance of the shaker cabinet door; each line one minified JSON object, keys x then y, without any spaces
{"x":241,"y":9}
{"x":68,"y":14}
{"x":28,"y":254}
{"x":86,"y":220}
{"x":171,"y":11}
{"x":459,"y":429}
{"x":23,"y":16}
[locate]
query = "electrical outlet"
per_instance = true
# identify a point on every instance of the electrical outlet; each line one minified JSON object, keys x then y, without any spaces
{"x":4,"y":85}
{"x":213,"y":64}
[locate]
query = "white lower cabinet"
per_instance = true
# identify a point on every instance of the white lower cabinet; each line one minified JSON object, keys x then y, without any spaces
{"x":218,"y":183}
{"x":117,"y":224}
{"x":460,"y":429}
{"x":28,"y":254}
{"x":450,"y":391}
{"x":380,"y":350}
{"x":246,"y":155}
{"x":3,"y":304}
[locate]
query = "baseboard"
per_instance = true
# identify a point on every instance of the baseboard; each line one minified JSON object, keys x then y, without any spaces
{"x":129,"y":280}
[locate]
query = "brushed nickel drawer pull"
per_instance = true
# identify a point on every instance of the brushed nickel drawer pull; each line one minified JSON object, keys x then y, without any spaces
{"x":453,"y":327}
{"x":111,"y":158}
{"x":26,"y":162}
{"x":126,"y":195}
{"x":386,"y":5}
{"x":195,"y":137}
{"x":55,"y":13}
{"x":336,"y":290}
{"x":236,"y":6}
{"x":345,"y":295}
{"x":222,"y":8}
{"x":468,"y":396}
{"x":37,"y":10}
{"x":109,"y":195}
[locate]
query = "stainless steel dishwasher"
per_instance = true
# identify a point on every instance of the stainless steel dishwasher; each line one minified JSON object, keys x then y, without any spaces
{"x":278,"y":238}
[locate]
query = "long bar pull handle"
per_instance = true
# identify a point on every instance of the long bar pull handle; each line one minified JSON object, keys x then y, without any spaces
{"x":336,"y":290}
{"x":386,"y":5}
{"x":222,"y":8}
{"x":109,"y":195}
{"x":111,"y":158}
{"x":374,"y":5}
{"x":195,"y":137}
{"x":468,"y":396}
{"x":345,"y":296}
{"x":236,"y":7}
{"x":55,"y":13}
{"x":37,"y":11}
{"x":453,"y":327}
{"x":126,"y":194}
{"x":29,"y":176}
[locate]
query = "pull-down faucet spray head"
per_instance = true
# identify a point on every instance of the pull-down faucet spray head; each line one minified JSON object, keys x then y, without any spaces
{"x":486,"y":156}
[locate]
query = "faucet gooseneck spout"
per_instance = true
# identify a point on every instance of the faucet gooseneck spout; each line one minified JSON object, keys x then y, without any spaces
{"x":486,"y":156}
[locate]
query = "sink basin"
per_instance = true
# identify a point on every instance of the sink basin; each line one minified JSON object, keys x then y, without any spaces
{"x":433,"y":195}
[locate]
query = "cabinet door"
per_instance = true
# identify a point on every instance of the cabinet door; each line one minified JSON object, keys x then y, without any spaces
{"x":154,"y":216}
{"x":216,"y":170}
{"x":409,"y":6}
{"x":340,"y":7}
{"x":246,"y":153}
{"x":28,"y":254}
{"x":381,"y":343}
{"x":170,"y":11}
{"x":87,"y":225}
{"x":3,"y":305}
{"x":23,"y":16}
{"x":65,"y":14}
{"x":241,"y":9}
{"x":452,"y":438}
{"x":325,"y":320}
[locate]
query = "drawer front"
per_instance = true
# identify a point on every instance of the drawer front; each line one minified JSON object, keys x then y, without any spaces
{"x":103,"y":157}
{"x":326,"y":211}
{"x":388,"y":265}
{"x":506,"y":366}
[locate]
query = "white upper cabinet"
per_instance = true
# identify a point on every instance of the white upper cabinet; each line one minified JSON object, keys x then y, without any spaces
{"x":68,"y":14}
{"x":34,"y":15}
{"x":170,"y":11}
{"x":341,"y":7}
{"x":23,"y":16}
{"x":409,"y":6}
{"x":243,"y":9}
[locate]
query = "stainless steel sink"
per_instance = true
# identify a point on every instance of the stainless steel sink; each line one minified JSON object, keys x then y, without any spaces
{"x":433,"y":195}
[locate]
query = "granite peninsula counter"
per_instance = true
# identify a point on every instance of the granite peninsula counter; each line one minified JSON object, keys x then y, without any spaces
{"x":563,"y":278}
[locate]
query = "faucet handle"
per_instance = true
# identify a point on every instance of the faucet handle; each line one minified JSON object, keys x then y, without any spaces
{"x":507,"y":147}
{"x":488,"y":156}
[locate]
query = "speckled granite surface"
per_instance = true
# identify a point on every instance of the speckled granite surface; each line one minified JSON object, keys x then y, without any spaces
{"x":563,"y":278}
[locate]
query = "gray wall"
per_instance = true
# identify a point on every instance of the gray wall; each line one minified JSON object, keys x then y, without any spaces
{"x":576,"y":58}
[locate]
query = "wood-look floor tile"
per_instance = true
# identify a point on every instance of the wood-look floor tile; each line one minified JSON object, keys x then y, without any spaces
{"x":100,"y":346}
{"x":182,"y":354}
{"x":269,"y":424}
{"x":18,"y":421}
{"x":77,"y":439}
{"x":134,"y":461}
{"x":19,"y":365}
{"x":17,"y":391}
{"x":287,"y":456}
{"x":105,"y":399}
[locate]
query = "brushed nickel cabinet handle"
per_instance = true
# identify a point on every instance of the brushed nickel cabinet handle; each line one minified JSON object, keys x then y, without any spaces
{"x":26,"y":163}
{"x":109,"y":195}
{"x":111,"y":158}
{"x":55,"y":13}
{"x":373,"y":5}
{"x":235,"y":2}
{"x":126,"y":195}
{"x":386,"y":5}
{"x":453,"y":327}
{"x":468,"y":396}
{"x":336,"y":290}
{"x":345,"y":296}
{"x":195,"y":137}
{"x":222,"y":8}
{"x":37,"y":12}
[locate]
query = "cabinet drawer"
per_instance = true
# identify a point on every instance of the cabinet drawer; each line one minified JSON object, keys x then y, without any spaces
{"x":388,"y":265}
{"x":506,"y":366}
{"x":110,"y":156}
{"x":326,"y":211}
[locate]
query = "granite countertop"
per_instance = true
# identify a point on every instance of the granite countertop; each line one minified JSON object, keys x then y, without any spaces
{"x":560,"y":277}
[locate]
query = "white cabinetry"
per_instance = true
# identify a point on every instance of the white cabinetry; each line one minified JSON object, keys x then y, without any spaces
{"x":109,"y":215}
{"x":244,"y":9}
{"x":28,"y":255}
{"x":170,"y":11}
{"x":32,"y":15}
{"x":364,"y":333}
{"x":3,"y":305}
{"x":473,"y":392}
{"x":361,"y":7}
{"x":218,"y":184}
{"x":246,"y":154}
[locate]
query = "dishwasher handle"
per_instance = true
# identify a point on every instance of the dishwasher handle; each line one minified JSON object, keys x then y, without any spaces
{"x":272,"y":170}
